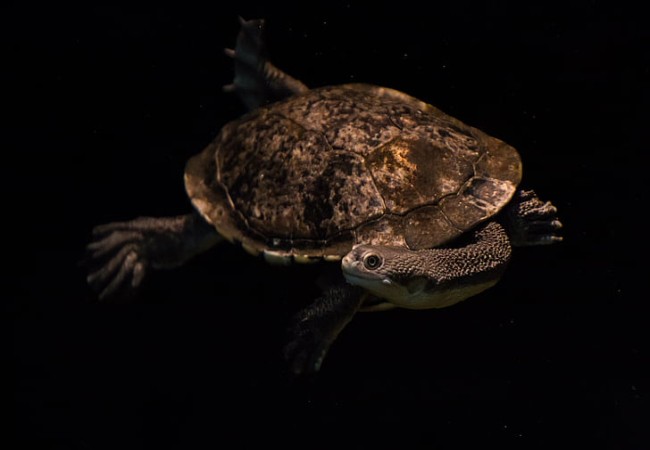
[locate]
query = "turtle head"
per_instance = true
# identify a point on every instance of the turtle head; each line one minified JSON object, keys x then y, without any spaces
{"x":421,"y":279}
{"x":383,"y":271}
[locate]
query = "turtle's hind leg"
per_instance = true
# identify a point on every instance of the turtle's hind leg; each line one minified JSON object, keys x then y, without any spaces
{"x":530,"y":221}
{"x":257,"y":81}
{"x":316,"y":327}
{"x":122,"y":252}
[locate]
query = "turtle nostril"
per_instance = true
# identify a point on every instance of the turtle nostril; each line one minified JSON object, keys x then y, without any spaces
{"x":347,"y":261}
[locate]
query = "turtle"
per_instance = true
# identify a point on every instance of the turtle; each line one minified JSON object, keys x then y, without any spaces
{"x":418,"y":209}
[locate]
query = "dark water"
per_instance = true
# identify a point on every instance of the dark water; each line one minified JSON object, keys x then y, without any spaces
{"x":108,"y":101}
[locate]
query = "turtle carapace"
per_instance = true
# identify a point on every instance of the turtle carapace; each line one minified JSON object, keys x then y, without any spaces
{"x":417,"y":208}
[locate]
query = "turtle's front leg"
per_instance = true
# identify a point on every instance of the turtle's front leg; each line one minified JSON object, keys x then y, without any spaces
{"x":316,"y":327}
{"x":122,"y":252}
{"x":531,"y":221}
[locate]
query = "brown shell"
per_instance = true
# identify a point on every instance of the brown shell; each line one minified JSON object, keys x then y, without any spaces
{"x":310,"y":176}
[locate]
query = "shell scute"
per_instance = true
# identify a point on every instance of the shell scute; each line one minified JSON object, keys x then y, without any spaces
{"x":310,"y":176}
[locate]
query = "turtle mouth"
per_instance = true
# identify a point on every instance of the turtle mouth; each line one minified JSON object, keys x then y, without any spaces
{"x":357,"y":277}
{"x":364,"y":280}
{"x":351,"y":269}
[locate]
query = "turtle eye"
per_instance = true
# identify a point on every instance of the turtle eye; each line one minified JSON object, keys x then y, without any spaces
{"x":371,"y":261}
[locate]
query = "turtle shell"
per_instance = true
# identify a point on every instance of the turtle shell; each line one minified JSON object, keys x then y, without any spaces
{"x":311,"y":176}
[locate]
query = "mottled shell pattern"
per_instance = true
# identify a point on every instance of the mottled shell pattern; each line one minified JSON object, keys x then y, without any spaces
{"x":308,"y":177}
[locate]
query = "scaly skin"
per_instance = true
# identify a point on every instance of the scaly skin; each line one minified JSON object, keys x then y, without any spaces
{"x":123,"y":252}
{"x":430,"y":278}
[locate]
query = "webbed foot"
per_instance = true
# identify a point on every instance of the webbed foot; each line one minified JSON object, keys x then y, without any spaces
{"x":316,"y":327}
{"x":119,"y":253}
{"x":306,"y":348}
{"x":257,"y":81}
{"x":122,"y":253}
{"x":532,"y":221}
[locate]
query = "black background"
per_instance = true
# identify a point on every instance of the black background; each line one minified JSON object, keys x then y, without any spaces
{"x":106,"y":102}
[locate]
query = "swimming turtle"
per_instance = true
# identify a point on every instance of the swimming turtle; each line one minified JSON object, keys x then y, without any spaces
{"x":417,"y":208}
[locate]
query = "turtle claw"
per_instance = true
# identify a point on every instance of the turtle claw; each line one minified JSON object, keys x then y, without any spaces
{"x":305,"y":351}
{"x":534,"y":209}
{"x":120,"y":280}
{"x":122,"y":253}
{"x":526,"y":194}
{"x":119,"y":260}
{"x":533,"y":222}
{"x":316,"y":327}
{"x":112,"y":242}
{"x":257,"y":81}
{"x":229,"y":88}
